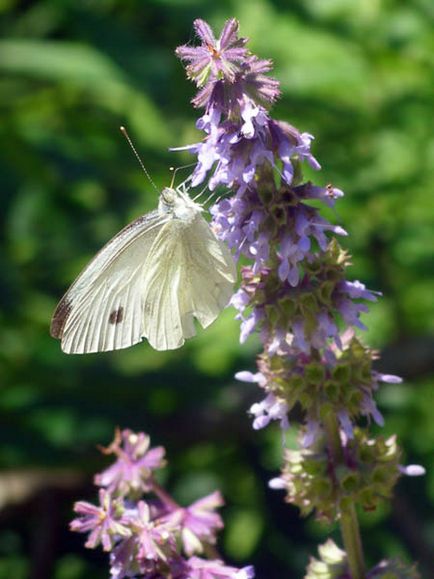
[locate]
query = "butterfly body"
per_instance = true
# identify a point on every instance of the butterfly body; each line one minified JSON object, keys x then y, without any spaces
{"x":150,"y":281}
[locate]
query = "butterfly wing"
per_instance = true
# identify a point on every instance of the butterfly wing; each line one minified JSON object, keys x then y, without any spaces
{"x":103,"y":309}
{"x":209,"y":275}
{"x":189,"y":274}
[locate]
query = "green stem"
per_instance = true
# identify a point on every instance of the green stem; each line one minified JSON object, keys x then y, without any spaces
{"x":333,"y":438}
{"x":352,"y":541}
{"x":348,"y":516}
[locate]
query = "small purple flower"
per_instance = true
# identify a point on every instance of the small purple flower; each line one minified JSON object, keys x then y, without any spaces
{"x":412,"y":470}
{"x":312,"y":432}
{"x":150,"y":535}
{"x":291,"y":145}
{"x":279,"y":342}
{"x":200,"y":523}
{"x":254,"y":118}
{"x":346,"y":425}
{"x":327,"y":195}
{"x":326,"y":328}
{"x":246,"y":376}
{"x":104,"y":522}
{"x":240,"y":300}
{"x":203,"y":569}
{"x":214,"y":59}
{"x":389,"y":378}
{"x":357,"y":290}
{"x":368,"y":407}
{"x":197,"y":523}
{"x":299,"y":341}
{"x":134,"y":465}
{"x":277,"y":483}
{"x":270,"y":409}
{"x":249,"y":324}
{"x":350,"y":312}
{"x":123,"y":559}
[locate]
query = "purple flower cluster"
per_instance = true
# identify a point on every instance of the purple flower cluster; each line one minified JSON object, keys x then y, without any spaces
{"x":218,"y":62}
{"x":240,"y":135}
{"x":344,"y":381}
{"x":154,"y":538}
{"x":294,"y":293}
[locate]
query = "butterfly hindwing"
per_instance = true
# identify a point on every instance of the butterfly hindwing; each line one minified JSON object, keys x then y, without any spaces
{"x":209,"y":273}
{"x":188,"y":274}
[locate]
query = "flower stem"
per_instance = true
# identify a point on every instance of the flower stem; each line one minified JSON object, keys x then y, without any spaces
{"x":164,"y":496}
{"x":352,"y":541}
{"x":348,"y":517}
{"x":333,"y":438}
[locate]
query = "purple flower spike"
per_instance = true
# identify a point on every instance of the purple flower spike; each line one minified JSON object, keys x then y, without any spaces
{"x":294,"y":291}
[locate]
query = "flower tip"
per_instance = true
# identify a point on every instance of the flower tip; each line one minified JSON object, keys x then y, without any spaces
{"x":336,"y":193}
{"x":412,"y":470}
{"x":203,"y":30}
{"x":390,"y":378}
{"x":340,"y":230}
{"x":244,"y":376}
{"x":246,"y":573}
{"x":277,"y":484}
{"x":260,"y":422}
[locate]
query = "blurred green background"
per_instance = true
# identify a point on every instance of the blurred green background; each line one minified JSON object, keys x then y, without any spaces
{"x":357,"y":74}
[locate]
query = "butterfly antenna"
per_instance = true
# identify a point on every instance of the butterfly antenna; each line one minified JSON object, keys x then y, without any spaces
{"x":176,"y":169}
{"x":126,"y":135}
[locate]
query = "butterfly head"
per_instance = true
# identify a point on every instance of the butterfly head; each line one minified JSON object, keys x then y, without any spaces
{"x":167,"y":198}
{"x":179,"y":204}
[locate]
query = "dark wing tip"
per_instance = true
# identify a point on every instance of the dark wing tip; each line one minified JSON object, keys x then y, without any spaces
{"x":59,"y":318}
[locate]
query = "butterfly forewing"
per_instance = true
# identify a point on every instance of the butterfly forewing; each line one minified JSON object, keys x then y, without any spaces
{"x":103,"y":309}
{"x":209,"y":273}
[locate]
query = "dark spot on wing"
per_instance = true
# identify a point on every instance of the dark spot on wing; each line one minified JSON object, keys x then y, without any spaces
{"x":117,"y":316}
{"x":59,"y":318}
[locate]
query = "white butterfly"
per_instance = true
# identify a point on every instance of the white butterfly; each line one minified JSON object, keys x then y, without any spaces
{"x":150,"y":281}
